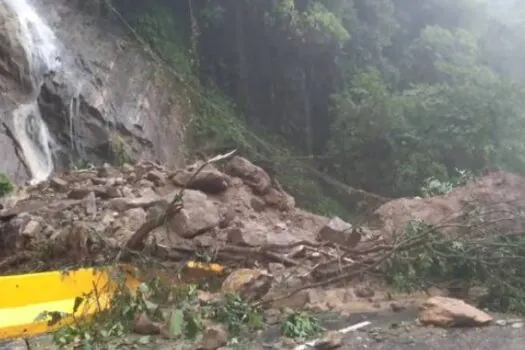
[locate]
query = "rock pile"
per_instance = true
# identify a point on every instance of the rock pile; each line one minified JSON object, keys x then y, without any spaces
{"x":239,"y":206}
{"x":485,"y":207}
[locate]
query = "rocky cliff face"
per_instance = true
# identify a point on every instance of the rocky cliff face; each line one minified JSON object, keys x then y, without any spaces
{"x":76,"y":89}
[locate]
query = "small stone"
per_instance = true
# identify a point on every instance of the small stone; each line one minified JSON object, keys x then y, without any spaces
{"x":157,"y":177}
{"x":106,"y":170}
{"x":517,"y":325}
{"x":396,"y":307}
{"x":127,"y":192}
{"x":206,"y":297}
{"x":130,"y":221}
{"x":78,"y":193}
{"x":257,"y":204}
{"x":227,"y":215}
{"x":146,"y":183}
{"x":272,"y":316}
{"x":213,"y":338}
{"x":147,"y":192}
{"x":122,"y":204}
{"x":127,"y":168}
{"x":339,"y":232}
{"x":58,"y":184}
{"x":144,"y":325}
{"x":364,"y":292}
{"x":250,"y":284}
{"x":90,"y":204}
{"x":275,"y":268}
{"x":32,"y":229}
{"x":501,"y":323}
{"x":279,"y":200}
{"x":331,"y":340}
{"x":108,"y":192}
{"x":101,"y":181}
{"x":296,"y":301}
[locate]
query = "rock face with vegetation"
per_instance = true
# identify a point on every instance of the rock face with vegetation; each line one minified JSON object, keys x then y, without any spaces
{"x":377,"y":95}
{"x":104,"y":99}
{"x":380,"y":94}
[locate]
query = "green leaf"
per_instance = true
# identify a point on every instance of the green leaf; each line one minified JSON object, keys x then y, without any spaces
{"x":150,"y":305}
{"x":76,"y":305}
{"x":176,"y":323}
{"x":145,"y":339}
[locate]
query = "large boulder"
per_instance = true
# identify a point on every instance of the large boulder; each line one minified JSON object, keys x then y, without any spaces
{"x":340,"y":232}
{"x":198,"y":215}
{"x":208,"y":180}
{"x":449,"y":312}
{"x":251,"y":174}
{"x":253,"y":233}
{"x":250,"y":284}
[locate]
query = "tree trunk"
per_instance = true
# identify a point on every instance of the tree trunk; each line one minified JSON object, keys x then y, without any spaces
{"x":242,"y":94}
{"x":194,"y":36}
{"x":307,"y":108}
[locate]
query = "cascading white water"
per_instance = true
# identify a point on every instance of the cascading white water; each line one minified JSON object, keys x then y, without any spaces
{"x":39,"y":43}
{"x":74,"y":111}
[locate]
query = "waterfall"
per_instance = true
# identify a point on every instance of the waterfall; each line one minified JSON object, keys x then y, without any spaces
{"x":41,"y":50}
{"x":73,"y":113}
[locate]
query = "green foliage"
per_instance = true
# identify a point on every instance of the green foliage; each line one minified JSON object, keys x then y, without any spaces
{"x":218,"y":122}
{"x":494,"y":263}
{"x":6,"y":186}
{"x":238,"y":315}
{"x":166,"y":36}
{"x":300,"y":324}
{"x":175,"y":308}
{"x":394,"y":96}
{"x":434,"y":187}
{"x":436,"y":260}
{"x":119,"y":151}
{"x":316,"y":23}
{"x":109,"y":323}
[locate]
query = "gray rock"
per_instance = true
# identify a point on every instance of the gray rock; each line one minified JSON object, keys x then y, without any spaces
{"x":32,"y":229}
{"x":208,"y":180}
{"x":58,"y":184}
{"x":251,"y":175}
{"x":122,"y":204}
{"x":90,"y":204}
{"x":340,"y":232}
{"x":198,"y":215}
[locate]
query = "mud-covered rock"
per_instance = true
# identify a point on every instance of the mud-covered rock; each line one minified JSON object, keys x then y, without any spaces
{"x":208,"y":180}
{"x":252,"y":175}
{"x":213,"y":338}
{"x":250,"y":284}
{"x":340,"y":232}
{"x":498,"y":198}
{"x":450,"y":312}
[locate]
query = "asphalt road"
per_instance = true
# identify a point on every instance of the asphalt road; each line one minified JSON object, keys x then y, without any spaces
{"x":400,"y":331}
{"x":388,"y":331}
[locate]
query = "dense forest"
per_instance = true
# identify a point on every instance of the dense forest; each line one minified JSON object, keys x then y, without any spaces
{"x":378,"y":94}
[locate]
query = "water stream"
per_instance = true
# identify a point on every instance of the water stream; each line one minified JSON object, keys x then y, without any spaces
{"x":41,"y":50}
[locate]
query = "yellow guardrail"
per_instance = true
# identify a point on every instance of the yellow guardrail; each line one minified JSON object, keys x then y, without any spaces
{"x":38,"y":303}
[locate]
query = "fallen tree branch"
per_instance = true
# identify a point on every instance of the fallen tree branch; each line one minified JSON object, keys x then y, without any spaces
{"x":16,"y":259}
